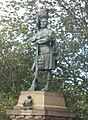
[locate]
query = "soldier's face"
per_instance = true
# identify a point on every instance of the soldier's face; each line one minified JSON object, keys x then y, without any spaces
{"x":43,"y":23}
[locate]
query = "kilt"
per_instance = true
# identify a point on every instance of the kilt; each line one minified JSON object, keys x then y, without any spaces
{"x":46,"y":57}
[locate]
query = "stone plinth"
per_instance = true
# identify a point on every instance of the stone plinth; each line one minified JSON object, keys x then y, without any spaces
{"x":46,"y":106}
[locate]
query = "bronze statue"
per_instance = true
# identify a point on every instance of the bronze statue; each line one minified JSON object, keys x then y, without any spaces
{"x":27,"y":103}
{"x":45,"y":43}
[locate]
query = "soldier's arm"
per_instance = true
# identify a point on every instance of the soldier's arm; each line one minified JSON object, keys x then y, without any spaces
{"x":33,"y":39}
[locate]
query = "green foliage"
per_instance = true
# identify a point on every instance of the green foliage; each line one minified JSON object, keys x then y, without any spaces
{"x":70,"y":22}
{"x":15,"y":64}
{"x":7,"y":101}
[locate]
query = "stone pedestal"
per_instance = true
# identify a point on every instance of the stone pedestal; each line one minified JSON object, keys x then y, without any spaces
{"x":46,"y":106}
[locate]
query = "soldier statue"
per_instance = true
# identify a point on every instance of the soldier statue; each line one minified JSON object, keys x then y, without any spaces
{"x":45,"y":43}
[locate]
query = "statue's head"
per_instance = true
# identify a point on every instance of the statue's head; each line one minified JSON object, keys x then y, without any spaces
{"x":42,"y":19}
{"x":29,"y":97}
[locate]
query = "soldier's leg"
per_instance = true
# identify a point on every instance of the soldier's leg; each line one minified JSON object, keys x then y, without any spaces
{"x":34,"y":85}
{"x":47,"y":87}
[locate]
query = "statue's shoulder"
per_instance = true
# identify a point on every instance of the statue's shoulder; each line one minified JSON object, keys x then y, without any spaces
{"x":48,"y":31}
